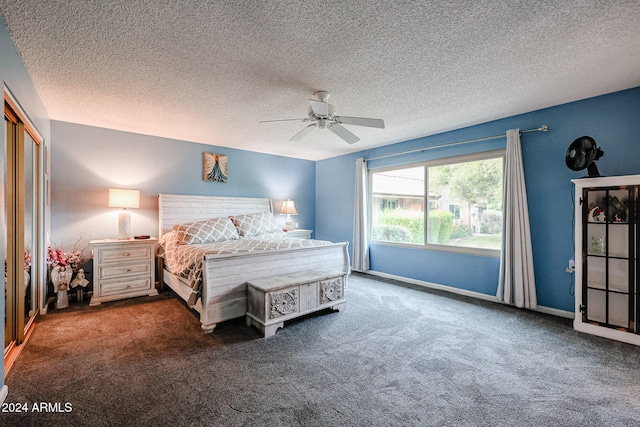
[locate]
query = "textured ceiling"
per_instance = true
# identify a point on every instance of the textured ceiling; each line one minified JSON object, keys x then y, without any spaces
{"x":207,"y":72}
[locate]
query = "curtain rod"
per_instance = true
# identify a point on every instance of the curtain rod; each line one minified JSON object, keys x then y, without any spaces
{"x":543,"y":128}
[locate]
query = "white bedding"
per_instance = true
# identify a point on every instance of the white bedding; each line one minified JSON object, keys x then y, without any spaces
{"x":186,"y":261}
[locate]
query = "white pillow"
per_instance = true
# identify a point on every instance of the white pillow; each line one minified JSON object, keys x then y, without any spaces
{"x":255,"y":224}
{"x":207,"y":231}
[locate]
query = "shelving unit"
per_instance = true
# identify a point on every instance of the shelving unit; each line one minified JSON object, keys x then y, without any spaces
{"x":606,"y":254}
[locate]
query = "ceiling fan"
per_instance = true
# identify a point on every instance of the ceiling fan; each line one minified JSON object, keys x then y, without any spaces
{"x":323,"y":115}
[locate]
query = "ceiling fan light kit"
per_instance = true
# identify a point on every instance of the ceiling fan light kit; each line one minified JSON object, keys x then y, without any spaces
{"x":323,"y":116}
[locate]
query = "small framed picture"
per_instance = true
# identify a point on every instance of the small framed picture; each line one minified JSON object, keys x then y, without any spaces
{"x":215,"y":167}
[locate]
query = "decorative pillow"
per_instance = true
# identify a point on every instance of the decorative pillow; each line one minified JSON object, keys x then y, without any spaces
{"x":255,"y":224}
{"x":207,"y":231}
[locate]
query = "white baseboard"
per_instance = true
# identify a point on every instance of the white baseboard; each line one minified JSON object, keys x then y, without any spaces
{"x":465,"y":292}
{"x":556,"y":312}
{"x":4,"y":391}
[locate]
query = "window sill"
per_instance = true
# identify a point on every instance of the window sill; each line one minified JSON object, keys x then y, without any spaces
{"x":490,"y":253}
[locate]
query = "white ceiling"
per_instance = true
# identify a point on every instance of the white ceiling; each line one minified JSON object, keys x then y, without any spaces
{"x":208,"y":71}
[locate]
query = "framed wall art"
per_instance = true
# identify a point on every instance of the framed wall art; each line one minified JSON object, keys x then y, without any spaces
{"x":215,"y":167}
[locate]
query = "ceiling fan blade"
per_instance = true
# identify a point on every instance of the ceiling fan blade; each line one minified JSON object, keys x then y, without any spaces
{"x":298,"y":136}
{"x":319,"y":108}
{"x":361,"y":121}
{"x":284,"y":120}
{"x":343,"y":133}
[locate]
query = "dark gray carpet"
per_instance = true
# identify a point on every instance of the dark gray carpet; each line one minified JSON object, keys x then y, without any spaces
{"x":397,"y":356}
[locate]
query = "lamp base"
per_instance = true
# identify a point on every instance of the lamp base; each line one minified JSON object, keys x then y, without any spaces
{"x":288,"y":223}
{"x":124,"y":226}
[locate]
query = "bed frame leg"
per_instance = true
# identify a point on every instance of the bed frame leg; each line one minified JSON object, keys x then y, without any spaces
{"x":209,"y":328}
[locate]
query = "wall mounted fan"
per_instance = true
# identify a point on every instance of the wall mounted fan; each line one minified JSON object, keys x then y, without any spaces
{"x":323,"y":115}
{"x":583,"y":153}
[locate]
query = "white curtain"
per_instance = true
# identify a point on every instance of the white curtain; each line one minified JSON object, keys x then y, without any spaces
{"x":360,"y":219}
{"x":516,"y":284}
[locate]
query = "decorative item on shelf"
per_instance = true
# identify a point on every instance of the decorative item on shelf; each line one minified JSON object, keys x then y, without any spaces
{"x":79,"y":282}
{"x":288,"y":209}
{"x":617,"y":210}
{"x":595,"y":213}
{"x":598,"y":246}
{"x":120,"y":198}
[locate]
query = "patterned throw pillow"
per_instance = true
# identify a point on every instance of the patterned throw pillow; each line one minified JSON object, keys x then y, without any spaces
{"x":207,"y":231}
{"x":255,"y":224}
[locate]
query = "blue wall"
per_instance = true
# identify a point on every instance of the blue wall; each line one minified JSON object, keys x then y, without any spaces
{"x":86,"y":161}
{"x":613,"y":120}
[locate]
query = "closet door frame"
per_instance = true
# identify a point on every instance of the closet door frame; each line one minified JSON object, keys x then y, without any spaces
{"x":22,"y":320}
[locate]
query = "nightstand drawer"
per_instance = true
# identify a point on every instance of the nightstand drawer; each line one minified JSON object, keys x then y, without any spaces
{"x":125,"y":253}
{"x":120,"y":270}
{"x":117,"y":287}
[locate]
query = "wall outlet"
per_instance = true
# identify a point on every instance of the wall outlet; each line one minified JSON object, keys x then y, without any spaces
{"x":572,"y":266}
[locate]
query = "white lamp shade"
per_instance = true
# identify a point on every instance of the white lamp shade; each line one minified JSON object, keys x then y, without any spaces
{"x":119,"y":198}
{"x":288,"y":208}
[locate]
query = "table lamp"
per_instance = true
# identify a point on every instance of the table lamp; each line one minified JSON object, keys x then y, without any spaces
{"x":288,"y":208}
{"x":119,"y":198}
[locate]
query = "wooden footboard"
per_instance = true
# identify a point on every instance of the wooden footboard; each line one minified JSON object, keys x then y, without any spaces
{"x":225,"y":277}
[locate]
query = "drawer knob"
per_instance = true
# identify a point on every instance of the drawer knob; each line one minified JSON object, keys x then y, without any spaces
{"x":127,"y":254}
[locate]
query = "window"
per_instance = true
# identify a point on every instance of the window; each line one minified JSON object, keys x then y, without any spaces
{"x":455,"y":210}
{"x":463,"y":199}
{"x":402,"y":221}
{"x":388,"y":204}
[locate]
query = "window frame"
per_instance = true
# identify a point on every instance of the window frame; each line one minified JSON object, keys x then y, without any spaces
{"x":464,"y":158}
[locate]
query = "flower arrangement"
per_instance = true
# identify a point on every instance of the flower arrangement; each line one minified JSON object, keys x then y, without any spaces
{"x":59,"y":258}
{"x":27,"y":261}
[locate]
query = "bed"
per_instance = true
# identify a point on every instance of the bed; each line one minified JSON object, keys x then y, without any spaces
{"x":215,"y":284}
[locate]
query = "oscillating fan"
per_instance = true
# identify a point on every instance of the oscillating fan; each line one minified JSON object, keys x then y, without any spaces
{"x":583,"y":153}
{"x":322,"y":115}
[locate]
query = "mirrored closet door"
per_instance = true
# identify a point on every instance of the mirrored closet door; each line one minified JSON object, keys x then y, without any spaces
{"x":20,"y":242}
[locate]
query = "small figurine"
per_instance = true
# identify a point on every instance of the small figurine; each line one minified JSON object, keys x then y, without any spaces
{"x":80,"y":280}
{"x":60,"y":277}
{"x":595,"y":213}
{"x":616,"y":210}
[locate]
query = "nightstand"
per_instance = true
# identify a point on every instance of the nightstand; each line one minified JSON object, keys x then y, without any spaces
{"x":300,"y":233}
{"x":123,"y":269}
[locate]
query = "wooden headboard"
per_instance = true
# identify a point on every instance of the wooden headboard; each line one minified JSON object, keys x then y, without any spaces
{"x":179,"y":208}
